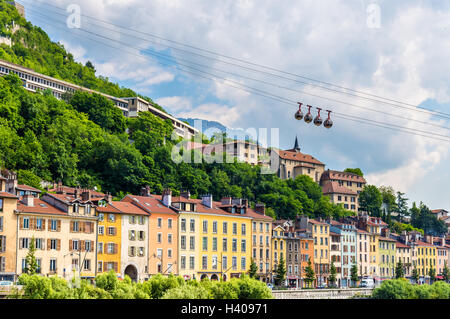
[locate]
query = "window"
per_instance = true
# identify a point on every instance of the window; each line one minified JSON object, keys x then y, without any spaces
{"x":159,"y":238}
{"x":1,"y":223}
{"x":234,"y":228}
{"x":243,"y":246}
{"x":132,"y":219}
{"x":1,"y":204}
{"x":192,"y":243}
{"x":101,"y":217}
{"x":26,"y":223}
{"x":191,"y":262}
{"x":25,"y":243}
{"x":75,"y":226}
{"x":183,"y":242}
{"x":53,"y":244}
{"x":214,"y":244}
{"x":169,"y":238}
{"x":254,"y":226}
{"x":111,"y":218}
{"x":234,"y":245}
{"x":111,"y":247}
{"x":224,"y":245}
{"x":100,"y":248}
{"x":141,"y":220}
{"x":192,"y":225}
{"x":183,"y":224}
{"x":132,"y":235}
{"x":205,"y":226}
{"x":243,"y":263}
{"x":159,"y":222}
{"x":214,"y":227}
{"x":101,"y":230}
{"x":100,"y":266}
{"x":243,"y":229}
{"x":87,"y":264}
{"x":183,"y":262}
{"x":234,"y":262}
{"x":111,"y":231}
{"x":52,"y":265}
{"x":225,"y":227}
{"x":204,"y":262}
{"x":53,"y":225}
{"x":169,"y":223}
{"x":205,"y":243}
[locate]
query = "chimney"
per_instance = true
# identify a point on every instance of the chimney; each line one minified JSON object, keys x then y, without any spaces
{"x":76,"y":193}
{"x":226,"y":200}
{"x":260,"y":208}
{"x":28,"y":199}
{"x":207,"y":200}
{"x":145,"y":191}
{"x":185,"y":193}
{"x":167,"y":197}
{"x":85,"y":195}
{"x":108,"y":198}
{"x":59,"y":189}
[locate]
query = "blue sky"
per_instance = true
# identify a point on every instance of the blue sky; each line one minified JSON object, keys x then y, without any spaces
{"x":397,"y":50}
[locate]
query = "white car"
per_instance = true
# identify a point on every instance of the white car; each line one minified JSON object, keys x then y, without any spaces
{"x":6,"y":283}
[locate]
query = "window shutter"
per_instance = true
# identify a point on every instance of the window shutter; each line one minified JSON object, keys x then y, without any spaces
{"x":115,"y":266}
{"x":129,"y":234}
{"x":21,"y":223}
{"x":32,"y":223}
{"x":129,"y":251}
{"x":20,"y":243}
{"x":82,"y":227}
{"x":82,"y":243}
{"x":49,"y":224}
{"x":48,"y":243}
{"x":115,"y":248}
{"x":59,"y":225}
{"x":43,"y":224}
{"x":59,"y":244}
{"x":70,"y":245}
{"x":71,"y":226}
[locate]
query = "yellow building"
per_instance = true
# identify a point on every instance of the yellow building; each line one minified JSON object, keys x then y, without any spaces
{"x":109,"y":239}
{"x":278,"y":247}
{"x":424,"y":258}
{"x":261,"y":241}
{"x":214,"y":237}
{"x":373,"y":225}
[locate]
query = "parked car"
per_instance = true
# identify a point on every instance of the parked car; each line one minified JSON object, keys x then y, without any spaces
{"x":321,"y":286}
{"x":367,"y":283}
{"x":6,"y":283}
{"x":270,"y":286}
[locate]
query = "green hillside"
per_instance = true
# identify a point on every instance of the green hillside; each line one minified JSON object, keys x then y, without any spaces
{"x":32,"y":48}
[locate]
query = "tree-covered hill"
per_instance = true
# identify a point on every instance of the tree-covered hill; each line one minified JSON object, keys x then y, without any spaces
{"x":32,"y":48}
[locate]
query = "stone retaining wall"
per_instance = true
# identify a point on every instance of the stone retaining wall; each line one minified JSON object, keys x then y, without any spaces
{"x":321,"y":293}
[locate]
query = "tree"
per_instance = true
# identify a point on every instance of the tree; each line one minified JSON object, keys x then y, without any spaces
{"x":253,"y":269}
{"x":281,"y":271}
{"x":310,"y":275}
{"x":354,"y":274}
{"x":399,"y":272}
{"x":333,"y":272}
{"x":356,"y":171}
{"x":370,"y":200}
{"x":415,"y":274}
{"x":432,"y":274}
{"x":402,"y":205}
{"x":32,"y":265}
{"x":445,"y":272}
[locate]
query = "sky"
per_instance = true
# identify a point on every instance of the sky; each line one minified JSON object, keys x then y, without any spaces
{"x":393,"y":49}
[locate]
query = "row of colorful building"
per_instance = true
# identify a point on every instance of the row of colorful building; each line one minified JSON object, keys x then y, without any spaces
{"x":86,"y":233}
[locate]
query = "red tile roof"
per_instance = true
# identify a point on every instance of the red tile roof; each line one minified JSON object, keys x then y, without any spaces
{"x":422,"y":243}
{"x":386,"y":239}
{"x":71,"y":190}
{"x":40,"y":207}
{"x":28,"y":188}
{"x":332,"y":187}
{"x":300,"y":157}
{"x":342,"y":176}
{"x":7,"y":195}
{"x":401,"y":245}
{"x":150,"y":204}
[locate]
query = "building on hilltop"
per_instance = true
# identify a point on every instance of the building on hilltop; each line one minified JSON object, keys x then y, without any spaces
{"x":292,"y":163}
{"x":34,"y":82}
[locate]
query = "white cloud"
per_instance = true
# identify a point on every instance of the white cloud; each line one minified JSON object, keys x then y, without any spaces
{"x":406,"y":60}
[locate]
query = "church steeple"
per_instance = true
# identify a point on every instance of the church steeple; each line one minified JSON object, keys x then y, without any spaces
{"x":296,"y":146}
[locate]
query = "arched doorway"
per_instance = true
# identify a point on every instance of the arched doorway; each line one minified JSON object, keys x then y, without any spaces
{"x":224,"y":277}
{"x":204,"y":276}
{"x":214,"y":277}
{"x":131,"y":272}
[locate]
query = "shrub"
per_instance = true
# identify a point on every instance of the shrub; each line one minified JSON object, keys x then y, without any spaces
{"x":187,"y":292}
{"x":394,"y":289}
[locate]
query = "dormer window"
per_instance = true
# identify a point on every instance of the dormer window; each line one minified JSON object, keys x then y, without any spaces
{"x":233,"y":210}
{"x":75,"y":208}
{"x":87,"y":209}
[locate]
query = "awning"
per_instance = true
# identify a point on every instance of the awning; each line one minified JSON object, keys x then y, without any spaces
{"x":440,"y":277}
